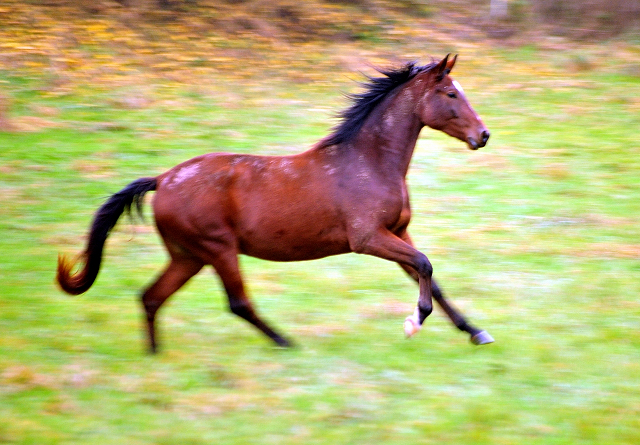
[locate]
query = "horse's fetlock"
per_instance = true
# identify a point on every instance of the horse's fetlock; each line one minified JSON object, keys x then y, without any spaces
{"x":462,"y":325}
{"x":425,"y":311}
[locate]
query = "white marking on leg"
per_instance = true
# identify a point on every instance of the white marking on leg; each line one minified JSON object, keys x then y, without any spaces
{"x":412,"y":323}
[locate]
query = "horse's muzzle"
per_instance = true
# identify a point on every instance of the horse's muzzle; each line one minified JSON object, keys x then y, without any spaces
{"x":475,"y":144}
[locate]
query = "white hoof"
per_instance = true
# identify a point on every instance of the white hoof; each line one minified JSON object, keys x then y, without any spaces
{"x":482,"y":338}
{"x":412,"y":324}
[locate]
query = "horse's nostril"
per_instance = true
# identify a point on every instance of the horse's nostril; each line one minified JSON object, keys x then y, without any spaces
{"x":485,"y":136}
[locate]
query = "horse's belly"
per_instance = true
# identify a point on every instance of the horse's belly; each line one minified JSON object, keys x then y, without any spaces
{"x":294,"y":242}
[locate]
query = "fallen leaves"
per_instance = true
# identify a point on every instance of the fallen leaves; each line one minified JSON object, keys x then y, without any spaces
{"x":31,"y":124}
{"x":116,"y":46}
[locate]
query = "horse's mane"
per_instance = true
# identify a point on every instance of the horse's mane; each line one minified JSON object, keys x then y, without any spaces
{"x":376,"y":89}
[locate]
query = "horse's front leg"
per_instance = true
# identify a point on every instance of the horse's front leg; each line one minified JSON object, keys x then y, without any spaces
{"x":384,"y":244}
{"x":478,"y":336}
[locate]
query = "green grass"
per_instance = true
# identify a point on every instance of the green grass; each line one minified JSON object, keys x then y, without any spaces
{"x":534,"y":237}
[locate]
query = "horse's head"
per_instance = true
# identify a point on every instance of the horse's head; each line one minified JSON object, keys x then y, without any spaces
{"x":444,"y":106}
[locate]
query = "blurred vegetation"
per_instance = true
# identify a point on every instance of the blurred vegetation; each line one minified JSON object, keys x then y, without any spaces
{"x":348,"y":20}
{"x":534,"y":237}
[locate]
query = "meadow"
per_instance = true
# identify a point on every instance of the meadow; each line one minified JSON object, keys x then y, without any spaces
{"x":534,"y":237}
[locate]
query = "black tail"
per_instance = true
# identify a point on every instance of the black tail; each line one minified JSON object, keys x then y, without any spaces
{"x":104,"y":220}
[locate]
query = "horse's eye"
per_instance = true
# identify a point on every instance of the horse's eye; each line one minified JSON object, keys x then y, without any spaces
{"x":452,"y":95}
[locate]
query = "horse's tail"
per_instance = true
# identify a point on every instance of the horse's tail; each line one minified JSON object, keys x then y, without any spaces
{"x":104,"y":220}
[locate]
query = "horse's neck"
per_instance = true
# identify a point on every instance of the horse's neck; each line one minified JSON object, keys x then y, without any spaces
{"x":390,"y":134}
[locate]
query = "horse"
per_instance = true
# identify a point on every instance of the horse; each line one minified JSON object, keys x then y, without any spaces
{"x":347,"y":193}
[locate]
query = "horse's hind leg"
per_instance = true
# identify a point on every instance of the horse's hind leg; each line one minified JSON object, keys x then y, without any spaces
{"x":478,"y":336}
{"x":177,"y":273}
{"x":226,"y":265}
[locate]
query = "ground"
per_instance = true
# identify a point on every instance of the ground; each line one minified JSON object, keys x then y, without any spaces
{"x":534,"y":237}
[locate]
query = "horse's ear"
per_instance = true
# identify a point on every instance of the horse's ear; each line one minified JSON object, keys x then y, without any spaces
{"x":441,"y":68}
{"x":450,"y":64}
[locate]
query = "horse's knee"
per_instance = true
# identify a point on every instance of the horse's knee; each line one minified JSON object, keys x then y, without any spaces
{"x":424,"y":267}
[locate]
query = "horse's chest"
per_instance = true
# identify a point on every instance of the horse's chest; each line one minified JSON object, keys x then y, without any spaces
{"x":380,"y":204}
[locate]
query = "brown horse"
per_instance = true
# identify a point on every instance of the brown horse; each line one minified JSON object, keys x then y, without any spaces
{"x":348,"y":193}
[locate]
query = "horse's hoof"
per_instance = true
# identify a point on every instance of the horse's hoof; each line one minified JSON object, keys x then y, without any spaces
{"x":283,"y":342}
{"x":482,"y":338}
{"x":412,"y":324}
{"x":410,"y":328}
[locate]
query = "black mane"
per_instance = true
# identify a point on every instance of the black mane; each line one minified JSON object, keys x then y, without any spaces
{"x":376,"y":89}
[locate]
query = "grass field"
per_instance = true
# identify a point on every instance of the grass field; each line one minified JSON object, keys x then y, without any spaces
{"x":534,"y":237}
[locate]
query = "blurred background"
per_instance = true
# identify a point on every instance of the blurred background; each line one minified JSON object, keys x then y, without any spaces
{"x":535,"y":237}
